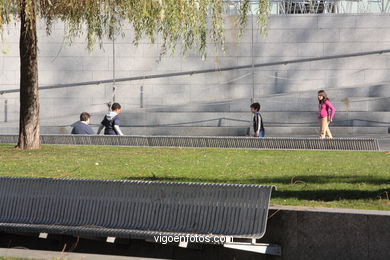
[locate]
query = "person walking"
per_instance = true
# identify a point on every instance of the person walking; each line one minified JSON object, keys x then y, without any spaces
{"x":258,"y":125}
{"x":326,"y":113}
{"x":111,"y":121}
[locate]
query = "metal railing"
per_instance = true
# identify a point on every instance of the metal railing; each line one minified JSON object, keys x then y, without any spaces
{"x":202,"y":71}
{"x":283,"y":7}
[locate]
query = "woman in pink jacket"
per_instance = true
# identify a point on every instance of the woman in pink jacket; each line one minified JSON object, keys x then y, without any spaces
{"x":326,"y":112}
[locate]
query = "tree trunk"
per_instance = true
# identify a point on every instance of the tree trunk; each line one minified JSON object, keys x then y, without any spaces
{"x":29,"y":96}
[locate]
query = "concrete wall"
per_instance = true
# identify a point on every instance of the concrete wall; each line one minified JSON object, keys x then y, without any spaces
{"x":307,"y":233}
{"x":289,"y":37}
{"x":303,"y":233}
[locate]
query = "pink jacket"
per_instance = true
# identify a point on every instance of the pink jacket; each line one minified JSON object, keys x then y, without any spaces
{"x":323,"y":110}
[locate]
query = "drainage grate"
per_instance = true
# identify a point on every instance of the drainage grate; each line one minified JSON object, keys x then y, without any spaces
{"x":271,"y":143}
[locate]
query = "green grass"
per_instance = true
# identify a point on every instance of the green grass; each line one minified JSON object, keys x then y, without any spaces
{"x":18,"y":258}
{"x":21,"y":258}
{"x":12,"y":258}
{"x":15,"y":258}
{"x":305,"y":178}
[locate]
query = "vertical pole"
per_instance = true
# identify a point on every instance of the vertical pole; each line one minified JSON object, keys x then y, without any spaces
{"x":253,"y":63}
{"x":141,"y":97}
{"x":113,"y":58}
{"x":6,"y":110}
{"x":113,"y":70}
{"x":383,"y":6}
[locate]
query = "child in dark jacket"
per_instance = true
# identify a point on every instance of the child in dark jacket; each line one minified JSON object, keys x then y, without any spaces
{"x":111,"y":121}
{"x":258,"y":125}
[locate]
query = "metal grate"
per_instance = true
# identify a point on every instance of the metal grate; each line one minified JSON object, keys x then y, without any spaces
{"x":324,"y":7}
{"x":132,"y":208}
{"x":271,"y":143}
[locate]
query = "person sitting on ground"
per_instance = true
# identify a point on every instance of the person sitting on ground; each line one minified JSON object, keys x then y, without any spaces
{"x":82,"y":127}
{"x":257,"y":120}
{"x":111,"y":121}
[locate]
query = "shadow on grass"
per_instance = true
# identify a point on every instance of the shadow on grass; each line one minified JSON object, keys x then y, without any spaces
{"x":302,"y":194}
{"x":333,"y":195}
{"x":309,"y":179}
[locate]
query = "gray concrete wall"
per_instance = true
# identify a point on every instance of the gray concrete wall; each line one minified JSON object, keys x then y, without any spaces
{"x":307,"y":233}
{"x":289,"y":37}
{"x":303,"y":233}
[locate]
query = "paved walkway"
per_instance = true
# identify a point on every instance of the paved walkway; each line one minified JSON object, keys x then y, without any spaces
{"x":52,"y":255}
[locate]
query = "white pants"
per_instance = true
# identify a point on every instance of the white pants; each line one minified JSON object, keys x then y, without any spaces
{"x":324,"y":128}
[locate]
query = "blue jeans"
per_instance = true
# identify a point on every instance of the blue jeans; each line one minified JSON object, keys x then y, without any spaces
{"x":262,"y":133}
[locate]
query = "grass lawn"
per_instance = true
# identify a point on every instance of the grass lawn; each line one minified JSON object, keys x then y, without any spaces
{"x":306,"y":178}
{"x":15,"y":258}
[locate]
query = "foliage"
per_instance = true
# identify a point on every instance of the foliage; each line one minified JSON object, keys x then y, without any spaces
{"x":175,"y":21}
